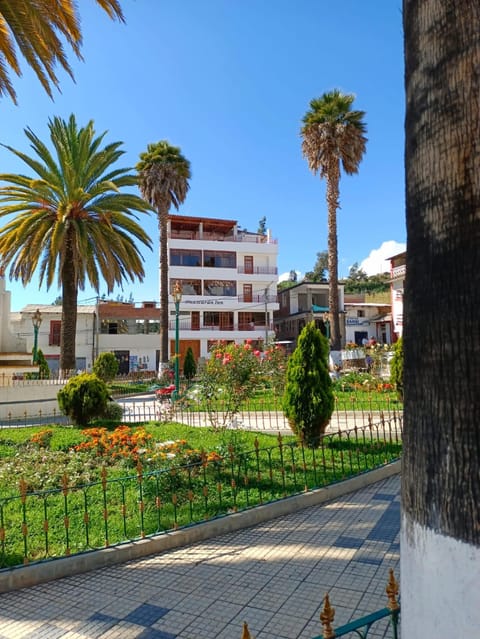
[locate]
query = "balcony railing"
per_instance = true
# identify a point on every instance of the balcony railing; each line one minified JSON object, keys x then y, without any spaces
{"x":187,"y":325}
{"x":218,"y":237}
{"x":258,"y":270}
{"x":399,"y":271}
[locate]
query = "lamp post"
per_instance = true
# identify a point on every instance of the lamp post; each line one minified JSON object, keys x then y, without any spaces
{"x":36,"y":321}
{"x":177,"y":298}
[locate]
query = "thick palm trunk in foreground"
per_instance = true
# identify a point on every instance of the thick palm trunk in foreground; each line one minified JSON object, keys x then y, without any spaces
{"x":440,"y":538}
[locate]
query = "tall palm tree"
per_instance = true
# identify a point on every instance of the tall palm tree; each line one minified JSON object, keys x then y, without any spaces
{"x":332,"y":134}
{"x":71,"y":219}
{"x":440,"y":535}
{"x":164,"y":176}
{"x":38,"y":27}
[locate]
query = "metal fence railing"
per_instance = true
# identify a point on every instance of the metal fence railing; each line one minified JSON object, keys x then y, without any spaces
{"x":361,"y":626}
{"x":40,"y":525}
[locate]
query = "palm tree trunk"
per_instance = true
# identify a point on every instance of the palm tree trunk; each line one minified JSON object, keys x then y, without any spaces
{"x":163,"y":226}
{"x":333,"y":180}
{"x":68,"y":329}
{"x":440,"y":538}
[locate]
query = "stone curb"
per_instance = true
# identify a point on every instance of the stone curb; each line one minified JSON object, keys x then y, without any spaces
{"x":34,"y":574}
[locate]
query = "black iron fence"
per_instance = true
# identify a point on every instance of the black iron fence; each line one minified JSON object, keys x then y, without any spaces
{"x":40,"y":525}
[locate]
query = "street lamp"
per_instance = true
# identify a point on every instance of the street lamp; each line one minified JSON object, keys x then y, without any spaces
{"x":36,"y":321}
{"x":177,"y":298}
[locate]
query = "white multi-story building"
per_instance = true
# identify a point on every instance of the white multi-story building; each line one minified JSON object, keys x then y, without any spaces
{"x":229,"y":283}
{"x":229,"y":292}
{"x":397,"y":272}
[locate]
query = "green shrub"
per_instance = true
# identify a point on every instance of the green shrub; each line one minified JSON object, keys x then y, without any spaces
{"x":83,"y":398}
{"x":113,"y":412}
{"x":106,"y":366}
{"x":189,"y":365}
{"x":308,"y":401}
{"x":396,"y":367}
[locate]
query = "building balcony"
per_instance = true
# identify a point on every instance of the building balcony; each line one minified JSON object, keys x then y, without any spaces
{"x":249,"y":327}
{"x":399,"y":272}
{"x":206,"y":236}
{"x":257,"y":270}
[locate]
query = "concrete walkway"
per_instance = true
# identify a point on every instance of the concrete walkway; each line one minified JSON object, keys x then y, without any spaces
{"x":272,"y":575}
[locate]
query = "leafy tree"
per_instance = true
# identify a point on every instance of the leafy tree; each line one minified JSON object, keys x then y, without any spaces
{"x":356,"y":273}
{"x":359,"y":282}
{"x":37,"y":28}
{"x":106,"y":366}
{"x":72,"y":219}
{"x":332,"y":134}
{"x":164,"y":176}
{"x":396,"y":367}
{"x":83,"y":398}
{"x":308,"y":401}
{"x":319,"y":270}
{"x":262,"y":226}
{"x":189,"y":365}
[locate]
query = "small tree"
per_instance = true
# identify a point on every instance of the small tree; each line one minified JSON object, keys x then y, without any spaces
{"x":106,"y":366}
{"x":230,"y":377}
{"x":396,"y":367}
{"x":43,"y":368}
{"x":83,"y":398}
{"x":308,"y":401}
{"x":189,"y":365}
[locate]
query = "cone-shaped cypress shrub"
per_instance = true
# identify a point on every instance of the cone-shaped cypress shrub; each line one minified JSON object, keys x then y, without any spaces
{"x":396,"y":368}
{"x":189,"y":365}
{"x":106,"y":366}
{"x":308,"y":399}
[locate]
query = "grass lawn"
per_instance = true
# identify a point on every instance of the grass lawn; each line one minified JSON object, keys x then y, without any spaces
{"x":57,"y":500}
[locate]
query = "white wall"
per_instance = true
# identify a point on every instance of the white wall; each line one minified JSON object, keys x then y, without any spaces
{"x":437,"y":571}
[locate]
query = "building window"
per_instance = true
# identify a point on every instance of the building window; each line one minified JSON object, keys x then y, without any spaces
{"x":179,"y":257}
{"x":220,"y":288}
{"x":55,"y":330}
{"x":220,"y":259}
{"x":189,"y":287}
{"x":222,"y":321}
{"x":114,"y":327}
{"x":361,"y":313}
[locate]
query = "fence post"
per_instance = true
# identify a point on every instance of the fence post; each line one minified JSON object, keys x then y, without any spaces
{"x":326,"y":617}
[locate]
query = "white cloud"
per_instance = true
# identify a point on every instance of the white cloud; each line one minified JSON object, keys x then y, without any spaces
{"x":377,"y":261}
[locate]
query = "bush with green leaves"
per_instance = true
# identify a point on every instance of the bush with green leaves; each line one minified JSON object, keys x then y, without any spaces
{"x":83,"y":398}
{"x":308,"y":400}
{"x":189,"y":365}
{"x":231,"y":375}
{"x":43,"y":368}
{"x":106,"y":366}
{"x":396,"y":367}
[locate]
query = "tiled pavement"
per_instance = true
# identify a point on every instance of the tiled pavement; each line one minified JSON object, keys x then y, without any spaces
{"x":272,"y":575}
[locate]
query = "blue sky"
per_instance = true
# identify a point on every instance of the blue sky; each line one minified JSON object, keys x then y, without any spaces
{"x":228,"y":81}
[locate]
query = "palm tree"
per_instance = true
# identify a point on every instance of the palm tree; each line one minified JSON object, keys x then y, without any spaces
{"x":163,"y":179}
{"x":440,"y":537}
{"x":37,"y":27}
{"x":71,"y":219}
{"x":333,"y":133}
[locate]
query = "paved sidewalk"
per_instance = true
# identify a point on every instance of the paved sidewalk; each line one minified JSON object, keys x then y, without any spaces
{"x":272,"y":575}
